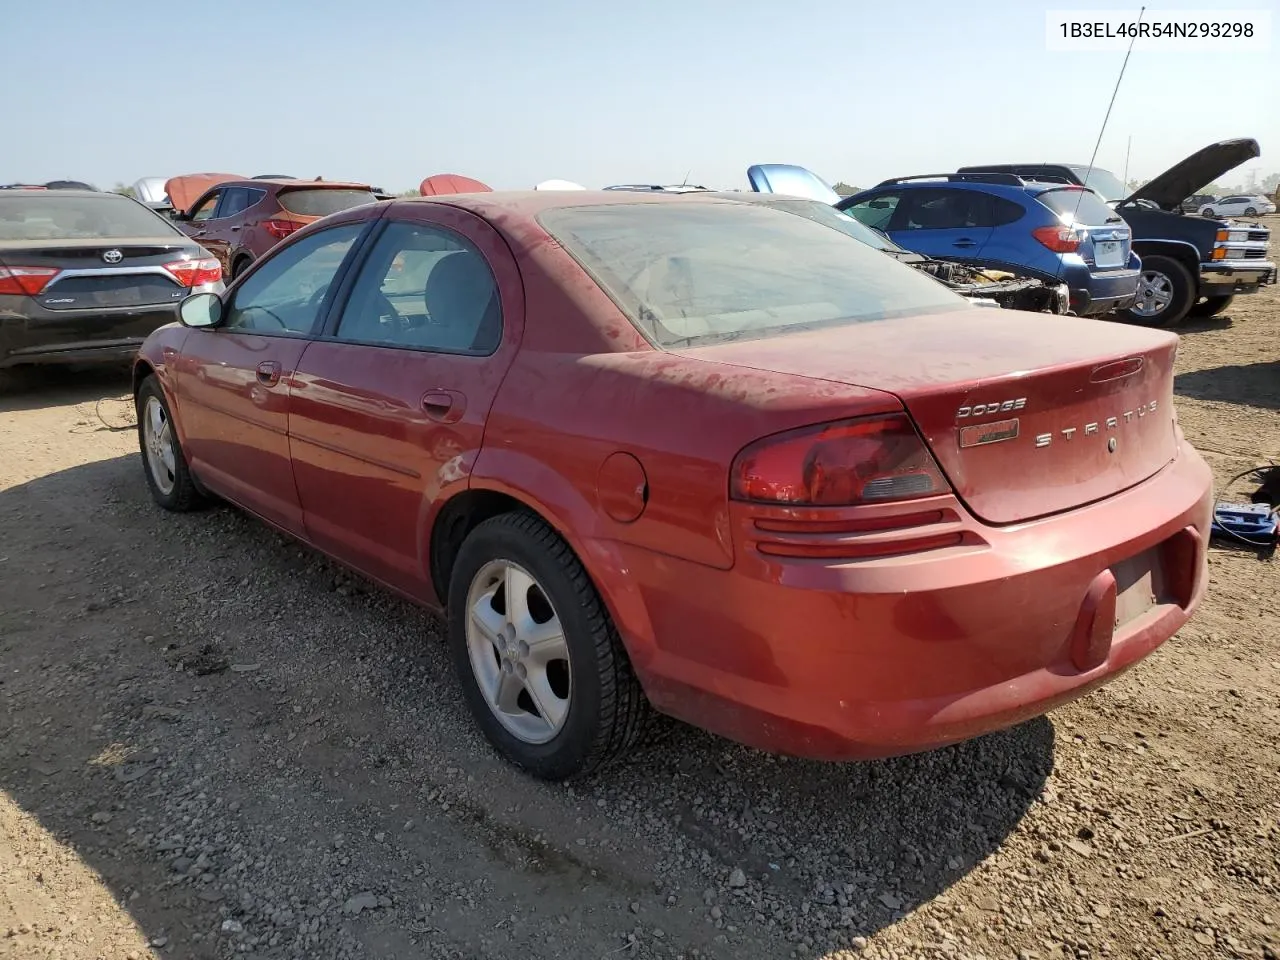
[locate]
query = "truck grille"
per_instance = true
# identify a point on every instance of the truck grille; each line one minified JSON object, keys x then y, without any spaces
{"x":1263,"y":235}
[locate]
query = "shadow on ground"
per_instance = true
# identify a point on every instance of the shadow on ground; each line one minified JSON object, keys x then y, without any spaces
{"x":1250,"y":384}
{"x":39,"y":387}
{"x":240,"y":739}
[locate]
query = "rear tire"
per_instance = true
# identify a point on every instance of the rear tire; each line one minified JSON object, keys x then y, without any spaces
{"x":239,"y":266}
{"x":163,"y":462}
{"x":1211,"y":306}
{"x":1250,"y":212}
{"x":558,"y":723}
{"x":1166,"y":292}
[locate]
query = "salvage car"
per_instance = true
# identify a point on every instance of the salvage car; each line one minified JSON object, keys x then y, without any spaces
{"x":697,"y":456}
{"x":976,"y":278}
{"x":240,"y":220}
{"x":1061,"y":233}
{"x":1238,"y":205}
{"x":999,"y":287}
{"x":85,"y":276}
{"x":1189,"y":267}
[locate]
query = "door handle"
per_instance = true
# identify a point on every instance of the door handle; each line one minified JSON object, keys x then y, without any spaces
{"x":964,"y":242}
{"x":236,"y":227}
{"x":444,"y":406}
{"x":269,"y":372}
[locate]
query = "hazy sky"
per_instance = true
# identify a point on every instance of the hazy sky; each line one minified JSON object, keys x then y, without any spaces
{"x":390,"y":91}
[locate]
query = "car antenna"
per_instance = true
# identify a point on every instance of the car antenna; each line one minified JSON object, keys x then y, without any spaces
{"x":1107,"y":116}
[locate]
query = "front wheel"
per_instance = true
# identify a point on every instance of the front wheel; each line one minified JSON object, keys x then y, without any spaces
{"x":541,"y":664}
{"x":1166,"y":292}
{"x":1207,"y":212}
{"x":163,"y":462}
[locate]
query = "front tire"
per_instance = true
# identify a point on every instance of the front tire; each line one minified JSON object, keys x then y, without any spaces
{"x":1207,"y":212}
{"x":541,"y":664}
{"x":163,"y":462}
{"x":1211,"y":306}
{"x":1166,"y":293}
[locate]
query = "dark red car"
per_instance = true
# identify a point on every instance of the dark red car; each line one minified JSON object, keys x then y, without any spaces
{"x":694,"y":455}
{"x":240,"y":220}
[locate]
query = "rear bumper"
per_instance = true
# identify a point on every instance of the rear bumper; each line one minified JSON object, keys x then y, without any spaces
{"x":30,"y":333}
{"x":1226,"y":278}
{"x":1093,"y":294}
{"x":866,"y":658}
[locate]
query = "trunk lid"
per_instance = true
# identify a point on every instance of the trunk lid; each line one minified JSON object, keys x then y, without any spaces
{"x":1026,"y":414}
{"x":92,"y":277}
{"x":1184,"y":178}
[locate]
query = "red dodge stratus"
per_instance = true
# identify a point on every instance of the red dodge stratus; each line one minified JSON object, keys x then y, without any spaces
{"x":695,"y":456}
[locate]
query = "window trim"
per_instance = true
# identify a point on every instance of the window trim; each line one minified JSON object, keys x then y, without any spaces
{"x":329,"y":329}
{"x":356,"y":250}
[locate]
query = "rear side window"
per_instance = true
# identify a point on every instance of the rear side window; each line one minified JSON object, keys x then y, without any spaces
{"x":1073,"y":204}
{"x":942,"y":209}
{"x":52,"y":215}
{"x":311,"y":202}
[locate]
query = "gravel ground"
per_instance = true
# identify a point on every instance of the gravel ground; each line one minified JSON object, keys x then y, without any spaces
{"x":214,"y":743}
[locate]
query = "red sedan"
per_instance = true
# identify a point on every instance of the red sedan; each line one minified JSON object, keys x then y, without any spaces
{"x":696,"y":456}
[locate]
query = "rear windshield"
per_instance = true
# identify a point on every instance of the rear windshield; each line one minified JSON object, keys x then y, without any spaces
{"x":829,"y":216}
{"x":687,"y":273}
{"x":320,"y":202}
{"x":1079,"y":206}
{"x":53,"y":215}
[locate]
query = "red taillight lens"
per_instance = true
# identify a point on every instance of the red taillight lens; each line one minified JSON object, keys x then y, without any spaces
{"x":27,"y":281}
{"x":1058,"y":239}
{"x":872,"y":460}
{"x":195,"y":273}
{"x":280,"y":228}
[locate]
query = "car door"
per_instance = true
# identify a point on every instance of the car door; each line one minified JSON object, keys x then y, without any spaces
{"x":389,"y":406}
{"x":205,"y":227}
{"x":234,"y":379}
{"x":942,"y":222}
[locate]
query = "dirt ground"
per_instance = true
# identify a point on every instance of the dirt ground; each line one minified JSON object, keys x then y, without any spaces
{"x":213,"y":744}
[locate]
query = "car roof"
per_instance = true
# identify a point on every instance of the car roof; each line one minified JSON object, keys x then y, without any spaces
{"x":531,"y":203}
{"x":284,"y":182}
{"x":63,"y":193}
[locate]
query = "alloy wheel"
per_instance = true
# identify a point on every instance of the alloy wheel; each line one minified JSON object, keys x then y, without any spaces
{"x":518,"y":653}
{"x":1155,"y":293}
{"x":157,"y":437}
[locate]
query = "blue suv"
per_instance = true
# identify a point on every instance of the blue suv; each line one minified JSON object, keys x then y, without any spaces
{"x":1059,"y":232}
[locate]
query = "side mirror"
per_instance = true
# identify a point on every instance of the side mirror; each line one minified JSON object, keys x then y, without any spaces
{"x":201,"y":310}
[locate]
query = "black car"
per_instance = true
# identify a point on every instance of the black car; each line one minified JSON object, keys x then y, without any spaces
{"x":85,"y":276}
{"x":1190,"y":265}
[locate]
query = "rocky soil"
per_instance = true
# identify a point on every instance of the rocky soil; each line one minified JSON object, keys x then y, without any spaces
{"x":215,"y":744}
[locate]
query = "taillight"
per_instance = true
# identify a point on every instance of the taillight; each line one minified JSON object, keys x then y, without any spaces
{"x":27,"y":281}
{"x":195,"y":273}
{"x":280,"y":228}
{"x":1059,"y":239}
{"x":868,"y":460}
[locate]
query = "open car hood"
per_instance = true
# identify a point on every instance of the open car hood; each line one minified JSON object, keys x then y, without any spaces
{"x":792,"y":180}
{"x":448,"y":183}
{"x":1204,"y":166}
{"x":187,"y":189}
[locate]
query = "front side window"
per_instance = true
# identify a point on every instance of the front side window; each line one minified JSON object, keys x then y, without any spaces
{"x":205,"y":210}
{"x":875,"y":212}
{"x":688,"y":273}
{"x":286,"y":292}
{"x":424,"y":287}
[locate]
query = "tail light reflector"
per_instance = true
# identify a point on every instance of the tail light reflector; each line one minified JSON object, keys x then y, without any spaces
{"x":26,"y":281}
{"x":280,"y":228}
{"x":1059,"y":239}
{"x":849,"y":462}
{"x":195,"y":273}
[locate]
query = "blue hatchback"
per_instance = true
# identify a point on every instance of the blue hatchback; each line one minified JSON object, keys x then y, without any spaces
{"x":1055,"y":231}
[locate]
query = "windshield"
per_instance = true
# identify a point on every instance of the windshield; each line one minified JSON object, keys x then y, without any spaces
{"x":1105,"y":182}
{"x":829,"y":216}
{"x":688,"y":273}
{"x":52,"y":215}
{"x":312,"y":202}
